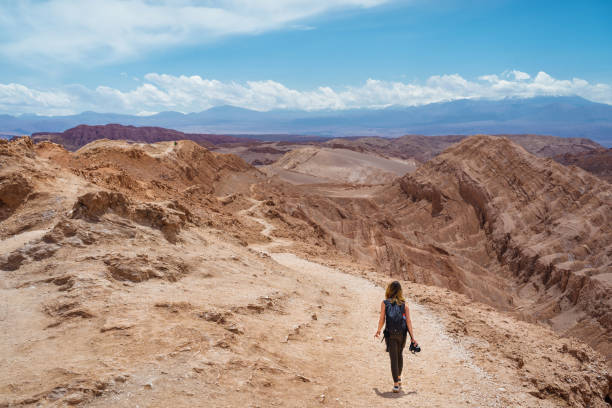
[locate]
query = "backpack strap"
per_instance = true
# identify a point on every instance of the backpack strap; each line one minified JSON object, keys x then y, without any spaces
{"x":405,"y":323}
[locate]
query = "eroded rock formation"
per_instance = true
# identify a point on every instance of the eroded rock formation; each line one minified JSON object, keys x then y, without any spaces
{"x":598,"y":162}
{"x":488,"y":219}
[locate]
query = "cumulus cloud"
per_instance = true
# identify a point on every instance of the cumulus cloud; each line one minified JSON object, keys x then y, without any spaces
{"x":519,"y":76}
{"x":162,"y":92}
{"x":94,"y":31}
{"x":17,"y":98}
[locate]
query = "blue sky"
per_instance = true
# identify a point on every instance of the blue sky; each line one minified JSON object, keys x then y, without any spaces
{"x":144,"y":56}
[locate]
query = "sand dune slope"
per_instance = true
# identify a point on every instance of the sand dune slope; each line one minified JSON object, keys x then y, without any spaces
{"x":338,"y":165}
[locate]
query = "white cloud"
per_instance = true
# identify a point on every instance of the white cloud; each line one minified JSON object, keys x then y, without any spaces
{"x":519,"y":76}
{"x":16,"y":98}
{"x":94,"y":31}
{"x":161,"y":92}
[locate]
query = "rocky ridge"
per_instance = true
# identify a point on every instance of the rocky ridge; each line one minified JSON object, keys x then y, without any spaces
{"x":424,"y":148}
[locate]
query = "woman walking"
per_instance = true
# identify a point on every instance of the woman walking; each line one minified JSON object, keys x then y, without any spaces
{"x":396,"y":317}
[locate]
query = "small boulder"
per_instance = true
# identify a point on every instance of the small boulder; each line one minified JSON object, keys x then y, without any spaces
{"x":75,"y":398}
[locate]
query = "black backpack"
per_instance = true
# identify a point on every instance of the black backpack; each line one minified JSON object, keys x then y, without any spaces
{"x":395,"y":322}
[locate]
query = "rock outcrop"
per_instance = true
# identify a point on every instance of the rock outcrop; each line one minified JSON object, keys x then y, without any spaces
{"x":141,"y":267}
{"x":168,"y":217}
{"x":14,"y":190}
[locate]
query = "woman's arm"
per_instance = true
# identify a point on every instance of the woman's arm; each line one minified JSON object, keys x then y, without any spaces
{"x":409,"y":323}
{"x":381,"y":319}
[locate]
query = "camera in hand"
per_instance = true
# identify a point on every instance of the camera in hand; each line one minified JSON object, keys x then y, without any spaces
{"x":414,"y":348}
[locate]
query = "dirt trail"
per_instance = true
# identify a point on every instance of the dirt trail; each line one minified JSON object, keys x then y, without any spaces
{"x":266,"y":232}
{"x":442,"y":375}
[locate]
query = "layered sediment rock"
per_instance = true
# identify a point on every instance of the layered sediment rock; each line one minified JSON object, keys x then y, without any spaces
{"x":168,"y":217}
{"x":597,"y":161}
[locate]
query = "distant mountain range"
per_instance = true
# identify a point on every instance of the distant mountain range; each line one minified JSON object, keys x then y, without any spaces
{"x":559,"y":116}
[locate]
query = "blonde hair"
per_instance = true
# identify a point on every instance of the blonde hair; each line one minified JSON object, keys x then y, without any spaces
{"x":394,"y":293}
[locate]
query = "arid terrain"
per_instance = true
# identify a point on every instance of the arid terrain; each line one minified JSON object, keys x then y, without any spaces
{"x":311,"y":165}
{"x":598,"y":162}
{"x":166,"y":274}
{"x":583,"y":153}
{"x":79,"y":136}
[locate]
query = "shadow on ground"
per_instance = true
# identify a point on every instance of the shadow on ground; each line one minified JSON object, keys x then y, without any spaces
{"x":391,"y":394}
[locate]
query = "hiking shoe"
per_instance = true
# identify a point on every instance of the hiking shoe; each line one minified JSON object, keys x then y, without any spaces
{"x":396,"y":388}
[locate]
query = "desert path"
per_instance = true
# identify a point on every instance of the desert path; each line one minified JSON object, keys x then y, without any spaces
{"x":442,"y":375}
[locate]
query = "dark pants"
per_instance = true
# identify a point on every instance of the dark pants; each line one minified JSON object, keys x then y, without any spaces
{"x":396,"y":348}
